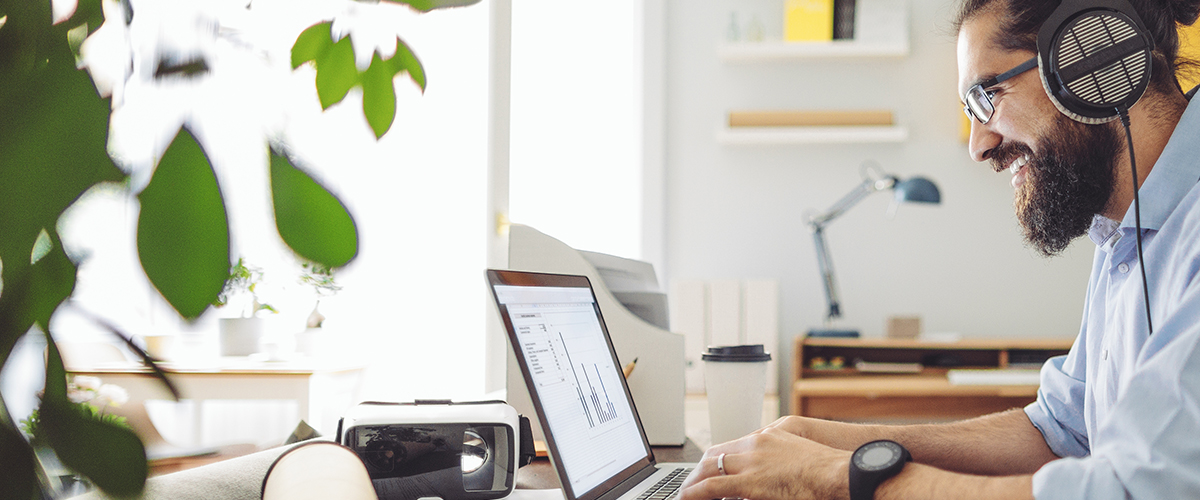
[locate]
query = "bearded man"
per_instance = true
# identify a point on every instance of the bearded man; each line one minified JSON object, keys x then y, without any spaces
{"x":1117,"y":417}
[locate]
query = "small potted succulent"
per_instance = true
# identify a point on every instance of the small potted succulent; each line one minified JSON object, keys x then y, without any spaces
{"x":240,"y":336}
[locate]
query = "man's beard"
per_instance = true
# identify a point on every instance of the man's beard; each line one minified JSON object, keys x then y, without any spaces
{"x":1069,"y":182}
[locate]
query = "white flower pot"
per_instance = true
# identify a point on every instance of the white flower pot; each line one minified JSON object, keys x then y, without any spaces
{"x":310,"y":341}
{"x":240,"y":336}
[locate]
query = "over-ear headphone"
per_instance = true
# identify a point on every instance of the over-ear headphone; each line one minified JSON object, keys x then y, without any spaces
{"x":1094,"y":58}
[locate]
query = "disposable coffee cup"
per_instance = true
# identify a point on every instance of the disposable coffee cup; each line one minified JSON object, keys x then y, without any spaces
{"x":735,"y":378}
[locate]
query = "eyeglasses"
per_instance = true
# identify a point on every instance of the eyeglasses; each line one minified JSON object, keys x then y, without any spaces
{"x":978,"y":99}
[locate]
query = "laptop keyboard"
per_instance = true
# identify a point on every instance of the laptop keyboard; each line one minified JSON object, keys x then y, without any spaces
{"x":668,"y":487}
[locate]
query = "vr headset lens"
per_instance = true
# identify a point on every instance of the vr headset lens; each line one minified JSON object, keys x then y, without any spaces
{"x":416,"y":460}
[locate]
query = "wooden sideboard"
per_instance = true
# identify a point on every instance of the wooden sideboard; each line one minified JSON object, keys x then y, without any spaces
{"x":916,"y":388}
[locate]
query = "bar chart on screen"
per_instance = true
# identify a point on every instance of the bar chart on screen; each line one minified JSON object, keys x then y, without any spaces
{"x":574,"y":371}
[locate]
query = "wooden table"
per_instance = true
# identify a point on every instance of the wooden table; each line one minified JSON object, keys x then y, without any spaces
{"x":316,"y":386}
{"x":541,"y":474}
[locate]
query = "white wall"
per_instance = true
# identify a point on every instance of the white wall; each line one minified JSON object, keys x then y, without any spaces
{"x":737,"y":211}
{"x":575,"y":164}
{"x":417,"y":195}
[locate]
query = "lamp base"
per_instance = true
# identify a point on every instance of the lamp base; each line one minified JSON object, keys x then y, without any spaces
{"x":833,"y":333}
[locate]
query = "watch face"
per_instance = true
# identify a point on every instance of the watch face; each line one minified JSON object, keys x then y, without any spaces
{"x":877,"y":456}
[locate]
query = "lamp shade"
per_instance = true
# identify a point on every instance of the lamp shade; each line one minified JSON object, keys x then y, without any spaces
{"x":917,"y":189}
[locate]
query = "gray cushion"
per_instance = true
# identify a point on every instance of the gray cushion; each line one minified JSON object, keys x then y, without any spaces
{"x":238,"y":478}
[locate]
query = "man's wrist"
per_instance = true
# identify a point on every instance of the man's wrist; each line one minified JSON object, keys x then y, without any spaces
{"x":839,"y":480}
{"x":872,"y":464}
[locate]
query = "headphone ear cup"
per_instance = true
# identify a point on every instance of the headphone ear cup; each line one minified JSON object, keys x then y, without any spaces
{"x":1097,"y":60}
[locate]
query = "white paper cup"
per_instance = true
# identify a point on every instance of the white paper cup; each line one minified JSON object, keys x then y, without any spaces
{"x":735,"y":378}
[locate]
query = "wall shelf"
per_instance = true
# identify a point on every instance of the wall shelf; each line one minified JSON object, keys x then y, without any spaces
{"x":880,"y":31}
{"x":836,"y":49}
{"x":759,"y":136}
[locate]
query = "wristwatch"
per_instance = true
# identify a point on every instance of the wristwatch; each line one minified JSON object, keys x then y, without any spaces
{"x":874,"y":463}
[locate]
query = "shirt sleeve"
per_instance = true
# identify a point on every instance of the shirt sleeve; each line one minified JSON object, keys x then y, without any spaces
{"x":1147,"y":447}
{"x":1058,"y":411}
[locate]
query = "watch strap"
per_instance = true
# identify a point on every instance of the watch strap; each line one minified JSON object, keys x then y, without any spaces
{"x":862,"y":486}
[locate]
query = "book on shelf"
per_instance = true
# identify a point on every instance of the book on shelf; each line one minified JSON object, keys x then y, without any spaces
{"x":843,"y":19}
{"x":797,"y":118}
{"x":808,"y":20}
{"x":994,"y":376}
{"x":883,"y":367}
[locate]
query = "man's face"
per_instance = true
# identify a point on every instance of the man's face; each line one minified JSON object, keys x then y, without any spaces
{"x":1062,"y":170}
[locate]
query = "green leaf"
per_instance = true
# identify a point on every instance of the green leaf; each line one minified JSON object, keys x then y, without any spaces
{"x":25,"y":37}
{"x":32,"y":296}
{"x":89,"y":12}
{"x":311,"y":43}
{"x":311,"y":220}
{"x":406,"y":60}
{"x":18,"y":473}
{"x":336,"y":73}
{"x":183,"y":231}
{"x":428,"y":5}
{"x":56,"y":374}
{"x":379,"y":95}
{"x":52,"y":279}
{"x":53,"y":135}
{"x":110,"y":455}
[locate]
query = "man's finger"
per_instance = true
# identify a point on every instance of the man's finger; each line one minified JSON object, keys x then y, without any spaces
{"x":710,"y":488}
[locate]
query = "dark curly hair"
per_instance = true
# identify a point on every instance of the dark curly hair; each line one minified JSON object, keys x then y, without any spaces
{"x":1020,"y":21}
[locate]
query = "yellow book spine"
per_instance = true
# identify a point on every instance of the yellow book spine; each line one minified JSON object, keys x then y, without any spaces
{"x":808,"y":20}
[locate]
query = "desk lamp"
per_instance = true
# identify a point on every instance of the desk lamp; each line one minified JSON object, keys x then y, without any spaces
{"x":915,"y":189}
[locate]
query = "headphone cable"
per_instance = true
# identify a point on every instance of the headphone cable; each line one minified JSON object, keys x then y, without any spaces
{"x":1137,"y":214}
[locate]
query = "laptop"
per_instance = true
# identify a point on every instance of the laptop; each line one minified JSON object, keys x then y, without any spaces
{"x":593,"y":433}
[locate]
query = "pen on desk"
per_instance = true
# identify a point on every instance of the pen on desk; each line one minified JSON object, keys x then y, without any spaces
{"x":629,"y":367}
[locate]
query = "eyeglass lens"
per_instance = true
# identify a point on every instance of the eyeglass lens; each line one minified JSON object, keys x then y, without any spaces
{"x":979,"y":104}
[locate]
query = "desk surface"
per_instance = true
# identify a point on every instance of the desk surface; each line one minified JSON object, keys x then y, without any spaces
{"x":541,"y":475}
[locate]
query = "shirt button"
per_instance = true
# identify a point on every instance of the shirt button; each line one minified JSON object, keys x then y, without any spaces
{"x":1123,"y":267}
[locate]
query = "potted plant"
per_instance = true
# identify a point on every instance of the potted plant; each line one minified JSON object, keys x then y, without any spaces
{"x":321,"y":278}
{"x":64,"y":74}
{"x":241,"y":335}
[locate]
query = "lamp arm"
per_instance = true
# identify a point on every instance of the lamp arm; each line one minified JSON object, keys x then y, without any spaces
{"x":869,"y":185}
{"x":826,"y":268}
{"x":852,"y":198}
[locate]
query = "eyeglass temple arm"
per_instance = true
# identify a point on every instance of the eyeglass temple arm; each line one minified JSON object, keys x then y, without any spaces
{"x":1021,"y":68}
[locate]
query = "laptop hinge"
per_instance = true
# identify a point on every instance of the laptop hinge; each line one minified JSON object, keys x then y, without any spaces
{"x":629,"y":483}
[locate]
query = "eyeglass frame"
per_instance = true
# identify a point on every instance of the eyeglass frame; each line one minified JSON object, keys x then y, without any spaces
{"x":985,"y":96}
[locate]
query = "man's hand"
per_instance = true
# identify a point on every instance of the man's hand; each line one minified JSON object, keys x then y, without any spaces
{"x":770,"y":464}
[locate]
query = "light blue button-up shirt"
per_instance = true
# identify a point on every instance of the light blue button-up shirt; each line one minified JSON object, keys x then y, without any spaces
{"x":1124,"y":406}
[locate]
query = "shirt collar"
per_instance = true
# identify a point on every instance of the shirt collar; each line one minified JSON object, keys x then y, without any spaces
{"x":1173,"y":175}
{"x":1102,"y":230}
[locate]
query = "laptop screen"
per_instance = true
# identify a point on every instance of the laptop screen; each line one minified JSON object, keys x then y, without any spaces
{"x":574,"y":377}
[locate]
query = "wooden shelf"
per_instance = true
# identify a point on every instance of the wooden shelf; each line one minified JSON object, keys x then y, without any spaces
{"x":905,"y":385}
{"x":848,"y":394}
{"x":754,"y":52}
{"x":970,"y":344}
{"x":758,"y":136}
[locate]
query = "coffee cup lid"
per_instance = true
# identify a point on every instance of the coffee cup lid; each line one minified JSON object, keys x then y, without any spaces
{"x":742,"y":353}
